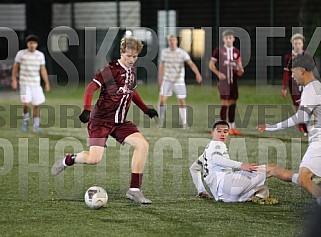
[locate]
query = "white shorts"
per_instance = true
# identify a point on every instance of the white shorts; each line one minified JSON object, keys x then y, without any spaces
{"x":168,"y":87}
{"x":32,"y":94}
{"x":240,"y":186}
{"x":312,"y":158}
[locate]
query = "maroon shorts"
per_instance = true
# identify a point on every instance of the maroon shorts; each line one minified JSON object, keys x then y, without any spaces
{"x":99,"y":131}
{"x":228,"y":91}
{"x":295,"y":92}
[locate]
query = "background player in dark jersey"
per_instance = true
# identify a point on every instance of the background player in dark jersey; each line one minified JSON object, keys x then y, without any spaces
{"x":226,"y":63}
{"x":297,"y":41}
{"x":117,"y":83}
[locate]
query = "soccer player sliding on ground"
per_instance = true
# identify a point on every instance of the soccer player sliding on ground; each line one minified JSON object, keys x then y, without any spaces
{"x":226,"y":184}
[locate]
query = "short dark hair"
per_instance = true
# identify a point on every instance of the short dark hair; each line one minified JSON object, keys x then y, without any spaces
{"x":303,"y":60}
{"x":228,"y":32}
{"x":32,"y":38}
{"x":220,"y":122}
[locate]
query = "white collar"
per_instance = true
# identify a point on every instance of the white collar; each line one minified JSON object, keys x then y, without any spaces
{"x":123,"y":66}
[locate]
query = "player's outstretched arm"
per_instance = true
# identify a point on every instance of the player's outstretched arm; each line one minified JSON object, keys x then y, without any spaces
{"x":301,"y":116}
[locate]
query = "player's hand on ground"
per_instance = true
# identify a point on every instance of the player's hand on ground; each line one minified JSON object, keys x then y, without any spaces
{"x":221,"y":76}
{"x":203,"y":195}
{"x":261,"y":127}
{"x":84,"y":116}
{"x":249,"y":166}
{"x":284,"y":92}
{"x":151,"y":113}
{"x":14,"y":84}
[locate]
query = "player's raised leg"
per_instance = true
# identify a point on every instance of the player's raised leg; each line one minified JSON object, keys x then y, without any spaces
{"x":140,"y":145}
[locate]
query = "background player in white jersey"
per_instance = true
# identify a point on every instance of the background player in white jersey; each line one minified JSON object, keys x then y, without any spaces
{"x":30,"y":63}
{"x":171,"y":77}
{"x":309,"y":112}
{"x":228,"y":185}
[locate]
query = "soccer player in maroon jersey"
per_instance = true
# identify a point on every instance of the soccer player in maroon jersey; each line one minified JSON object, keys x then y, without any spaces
{"x":297,"y":41}
{"x":117,"y":83}
{"x":226,"y":63}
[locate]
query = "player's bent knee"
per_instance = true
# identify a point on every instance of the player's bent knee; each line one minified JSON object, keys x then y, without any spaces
{"x":144,"y":145}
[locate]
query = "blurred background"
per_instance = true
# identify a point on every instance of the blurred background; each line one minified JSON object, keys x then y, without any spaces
{"x":92,"y":30}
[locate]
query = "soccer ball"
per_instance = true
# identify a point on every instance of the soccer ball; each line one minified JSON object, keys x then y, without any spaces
{"x":96,"y":197}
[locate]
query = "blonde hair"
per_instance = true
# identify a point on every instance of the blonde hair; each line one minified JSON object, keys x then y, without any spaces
{"x":130,"y":43}
{"x":297,"y":36}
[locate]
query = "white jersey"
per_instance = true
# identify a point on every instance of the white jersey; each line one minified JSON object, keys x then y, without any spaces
{"x":216,"y":164}
{"x":311,"y":102}
{"x":30,"y":63}
{"x":174,"y":64}
{"x":225,"y":184}
{"x":309,"y":112}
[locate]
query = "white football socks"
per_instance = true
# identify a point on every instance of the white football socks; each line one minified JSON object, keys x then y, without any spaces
{"x":183,"y":115}
{"x":36,"y":122}
{"x":295,"y":178}
{"x":232,"y":125}
{"x":162,"y":115}
{"x":26,"y":119}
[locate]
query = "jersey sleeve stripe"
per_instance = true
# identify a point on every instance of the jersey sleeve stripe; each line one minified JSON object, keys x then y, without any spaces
{"x":99,"y":84}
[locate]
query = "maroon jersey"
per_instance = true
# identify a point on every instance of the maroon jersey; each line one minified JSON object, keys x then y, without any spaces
{"x":294,"y":88}
{"x":287,"y":74}
{"x":227,"y":59}
{"x":117,"y":85}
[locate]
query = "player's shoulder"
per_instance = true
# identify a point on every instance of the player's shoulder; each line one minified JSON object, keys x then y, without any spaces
{"x":180,"y":50}
{"x":217,"y":145}
{"x":22,"y":52}
{"x":316,"y":86}
{"x":39,"y":54}
{"x":114,"y":65}
{"x":236,"y":49}
{"x":166,"y":50}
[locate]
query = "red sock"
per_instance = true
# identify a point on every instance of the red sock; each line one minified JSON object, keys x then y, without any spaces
{"x":231,"y":113}
{"x":223,"y":112}
{"x":70,"y":159}
{"x":136,"y":180}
